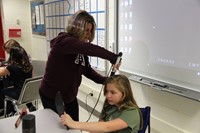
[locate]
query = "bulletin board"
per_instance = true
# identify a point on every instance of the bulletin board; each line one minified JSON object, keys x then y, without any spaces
{"x":38,"y":17}
{"x":57,"y":13}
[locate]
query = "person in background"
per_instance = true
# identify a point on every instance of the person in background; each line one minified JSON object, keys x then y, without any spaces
{"x":8,"y":44}
{"x":68,"y":61}
{"x":5,"y":81}
{"x":19,"y":69}
{"x":120,"y":111}
{"x":6,"y":47}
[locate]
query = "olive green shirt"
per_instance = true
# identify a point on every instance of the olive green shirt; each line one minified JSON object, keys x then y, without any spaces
{"x":131,"y":116}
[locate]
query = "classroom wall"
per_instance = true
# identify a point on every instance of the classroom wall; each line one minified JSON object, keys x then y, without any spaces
{"x":15,"y":11}
{"x":170,"y":113}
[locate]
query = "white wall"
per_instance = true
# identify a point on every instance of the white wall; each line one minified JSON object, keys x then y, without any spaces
{"x":39,"y":47}
{"x":19,"y":10}
{"x":170,"y":113}
{"x":13,"y":11}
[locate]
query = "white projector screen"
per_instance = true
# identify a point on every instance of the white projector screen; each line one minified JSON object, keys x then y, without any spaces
{"x":160,"y":39}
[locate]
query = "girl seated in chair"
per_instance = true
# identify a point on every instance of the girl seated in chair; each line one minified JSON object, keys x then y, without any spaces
{"x":120,"y":111}
{"x":19,"y":69}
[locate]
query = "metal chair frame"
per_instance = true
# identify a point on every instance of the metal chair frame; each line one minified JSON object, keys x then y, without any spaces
{"x":29,"y":93}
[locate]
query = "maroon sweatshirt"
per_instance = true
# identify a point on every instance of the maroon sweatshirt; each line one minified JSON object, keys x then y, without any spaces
{"x":66,"y":64}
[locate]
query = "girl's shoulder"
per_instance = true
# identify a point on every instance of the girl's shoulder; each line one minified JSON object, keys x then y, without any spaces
{"x":12,"y":66}
{"x":131,"y":110}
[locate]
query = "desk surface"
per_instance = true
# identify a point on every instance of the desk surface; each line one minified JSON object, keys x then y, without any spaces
{"x":47,"y":121}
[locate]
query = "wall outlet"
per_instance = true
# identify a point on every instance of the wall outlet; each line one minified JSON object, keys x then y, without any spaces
{"x":87,"y":90}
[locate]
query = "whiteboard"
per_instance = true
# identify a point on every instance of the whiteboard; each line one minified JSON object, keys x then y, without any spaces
{"x":160,"y":41}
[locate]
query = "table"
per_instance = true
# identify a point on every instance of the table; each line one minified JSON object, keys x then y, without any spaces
{"x":47,"y":121}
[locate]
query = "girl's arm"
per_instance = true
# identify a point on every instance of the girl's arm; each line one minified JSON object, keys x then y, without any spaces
{"x":4,"y":71}
{"x":109,"y":126}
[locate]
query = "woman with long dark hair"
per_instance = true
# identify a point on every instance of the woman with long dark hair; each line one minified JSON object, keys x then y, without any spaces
{"x":19,"y":69}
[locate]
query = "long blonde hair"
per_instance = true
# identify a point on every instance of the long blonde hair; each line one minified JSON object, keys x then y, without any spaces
{"x":122,"y":83}
{"x":77,"y":24}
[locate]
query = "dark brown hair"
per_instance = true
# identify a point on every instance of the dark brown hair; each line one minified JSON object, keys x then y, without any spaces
{"x":19,"y":57}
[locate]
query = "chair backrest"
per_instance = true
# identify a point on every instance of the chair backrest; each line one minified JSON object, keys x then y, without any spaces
{"x":146,"y":119}
{"x":30,"y":90}
{"x":38,"y":67}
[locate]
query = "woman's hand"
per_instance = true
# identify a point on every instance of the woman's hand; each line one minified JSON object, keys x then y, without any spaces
{"x":116,"y":66}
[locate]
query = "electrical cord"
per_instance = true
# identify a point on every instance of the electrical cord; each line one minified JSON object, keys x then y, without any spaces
{"x":111,"y":72}
{"x":98,"y":97}
{"x":86,"y":105}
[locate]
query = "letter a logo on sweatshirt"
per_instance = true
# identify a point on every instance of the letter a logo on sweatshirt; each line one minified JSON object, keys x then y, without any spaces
{"x":80,"y":59}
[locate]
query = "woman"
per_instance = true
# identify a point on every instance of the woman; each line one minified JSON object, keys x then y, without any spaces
{"x":68,"y":61}
{"x":120,"y":111}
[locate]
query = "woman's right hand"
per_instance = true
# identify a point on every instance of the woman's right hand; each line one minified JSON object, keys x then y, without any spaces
{"x":116,"y":66}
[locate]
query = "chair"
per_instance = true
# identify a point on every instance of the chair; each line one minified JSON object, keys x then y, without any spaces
{"x":146,"y":119}
{"x":38,"y":67}
{"x":29,"y":93}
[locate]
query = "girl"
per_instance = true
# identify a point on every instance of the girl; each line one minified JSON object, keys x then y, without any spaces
{"x":120,"y":111}
{"x":18,"y":69}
